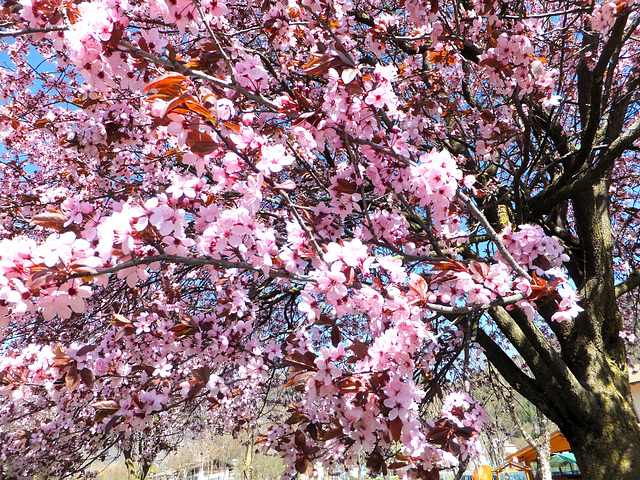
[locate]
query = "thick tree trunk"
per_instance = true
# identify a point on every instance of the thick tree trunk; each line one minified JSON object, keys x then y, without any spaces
{"x":596,"y":415}
{"x":607,"y":445}
{"x":609,"y":449}
{"x":583,"y":386}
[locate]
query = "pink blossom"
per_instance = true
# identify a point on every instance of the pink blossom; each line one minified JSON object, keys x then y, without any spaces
{"x":332,"y":282}
{"x":251,"y":74}
{"x":273,"y":158}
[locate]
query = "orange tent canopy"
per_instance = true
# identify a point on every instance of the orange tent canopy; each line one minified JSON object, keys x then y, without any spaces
{"x":528,"y":455}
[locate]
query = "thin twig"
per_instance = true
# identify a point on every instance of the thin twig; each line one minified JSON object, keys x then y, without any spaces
{"x":29,"y":31}
{"x":494,"y":237}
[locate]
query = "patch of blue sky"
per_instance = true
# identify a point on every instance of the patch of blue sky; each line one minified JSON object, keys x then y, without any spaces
{"x":41,"y":66}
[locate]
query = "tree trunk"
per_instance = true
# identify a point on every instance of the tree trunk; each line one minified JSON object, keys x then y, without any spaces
{"x":540,"y":445}
{"x":132,"y":471}
{"x":595,"y":414}
{"x":610,"y":447}
{"x":543,"y":447}
{"x":605,"y":436}
{"x":582,"y":386}
{"x":544,"y":462}
{"x":247,"y":471}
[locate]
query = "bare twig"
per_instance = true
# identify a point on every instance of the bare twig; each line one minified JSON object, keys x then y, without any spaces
{"x":30,"y":31}
{"x":494,"y":236}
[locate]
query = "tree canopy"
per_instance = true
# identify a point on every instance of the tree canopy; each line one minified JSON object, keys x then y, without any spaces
{"x":206,"y":201}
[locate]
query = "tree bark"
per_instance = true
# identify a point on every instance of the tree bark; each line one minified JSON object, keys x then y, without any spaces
{"x":608,"y":446}
{"x":132,"y":471}
{"x":610,"y":451}
{"x":247,"y":471}
{"x":584,"y":386}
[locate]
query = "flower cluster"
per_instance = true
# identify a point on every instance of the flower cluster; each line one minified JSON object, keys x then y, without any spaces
{"x":245,"y":198}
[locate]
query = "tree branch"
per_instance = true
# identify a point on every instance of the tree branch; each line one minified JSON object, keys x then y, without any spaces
{"x":545,"y":363}
{"x":494,"y":237}
{"x":589,"y":133}
{"x":176,"y":66}
{"x":525,"y":385}
{"x":632,"y":282}
{"x":30,"y":31}
{"x":193,"y":261}
{"x":541,"y":203}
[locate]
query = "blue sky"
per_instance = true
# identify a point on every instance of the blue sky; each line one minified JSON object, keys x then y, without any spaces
{"x":35,"y":60}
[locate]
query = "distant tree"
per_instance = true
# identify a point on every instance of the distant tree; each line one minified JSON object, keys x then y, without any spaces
{"x":205,"y":200}
{"x":539,"y":441}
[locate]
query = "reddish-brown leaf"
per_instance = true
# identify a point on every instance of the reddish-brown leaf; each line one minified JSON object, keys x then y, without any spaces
{"x":120,"y":320}
{"x":450,"y":266}
{"x":336,"y":336}
{"x":182,"y":330}
{"x":40,"y":277}
{"x":61,"y":359}
{"x":320,"y":64}
{"x":124,"y":332}
{"x":195,"y":389}
{"x":324,"y":320}
{"x":491,"y":62}
{"x":395,"y":427}
{"x":350,"y":385}
{"x":298,"y":361}
{"x":106,"y":405}
{"x":54,"y":220}
{"x":296,"y":417}
{"x":72,"y":378}
{"x":105,"y":408}
{"x":111,"y":423}
{"x":86,"y":349}
{"x":200,"y":109}
{"x":201,"y":374}
{"x":300,"y":440}
{"x":201,"y":143}
{"x":345,"y":186}
{"x":333,"y":433}
{"x":302,"y":463}
{"x":478,"y":270}
{"x":88,"y":378}
{"x":168,"y":83}
{"x":433,"y":474}
{"x":359,"y":349}
{"x":313,"y":431}
{"x":232,"y":126}
{"x":439,"y":434}
{"x":301,"y":377}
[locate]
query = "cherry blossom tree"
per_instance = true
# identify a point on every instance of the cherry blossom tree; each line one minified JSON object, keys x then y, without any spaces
{"x":207,"y":200}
